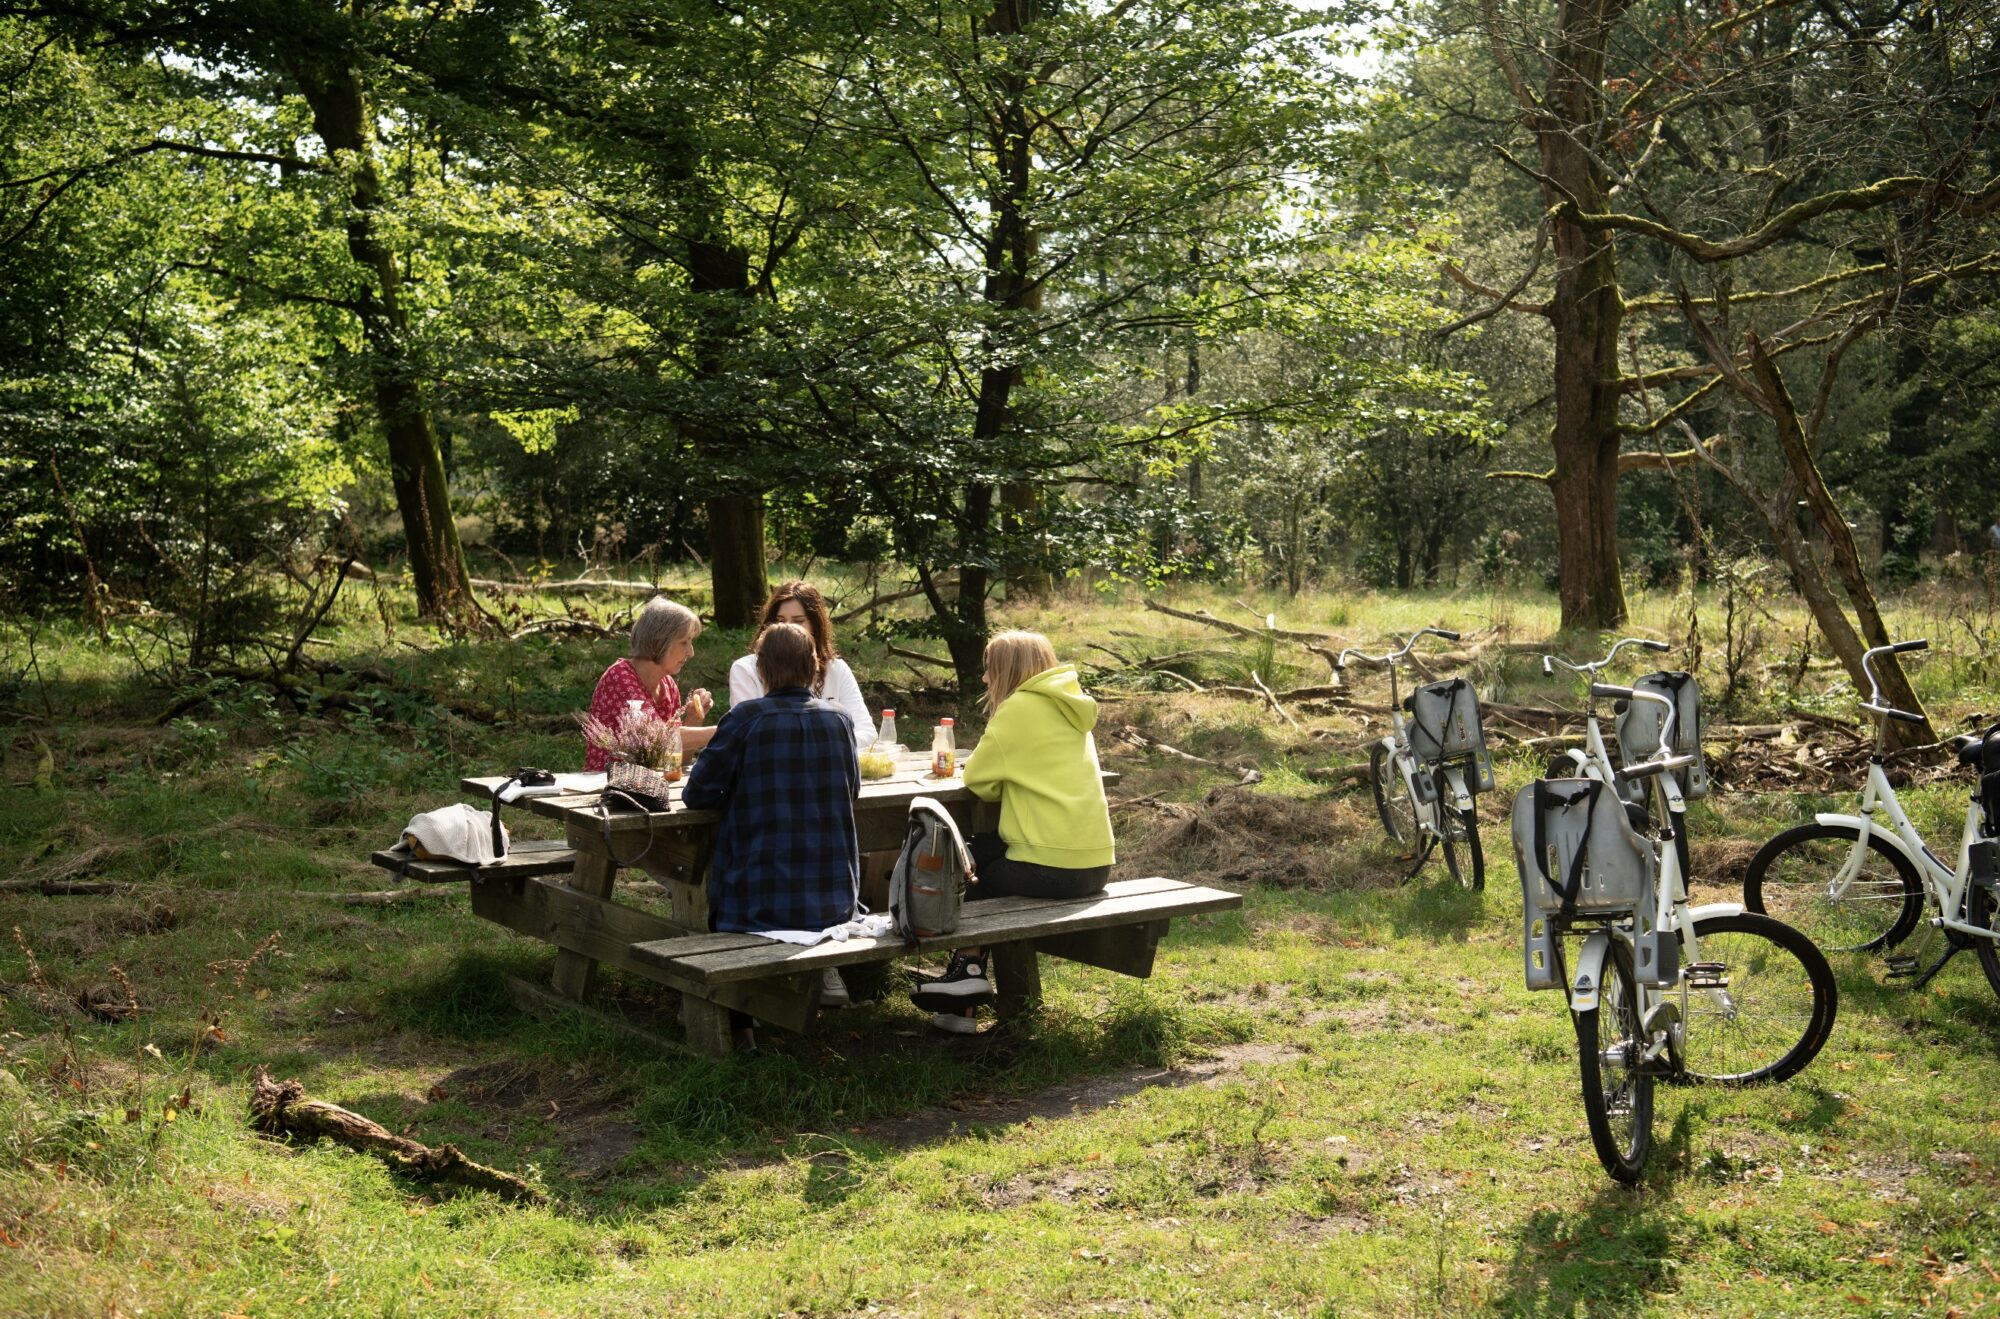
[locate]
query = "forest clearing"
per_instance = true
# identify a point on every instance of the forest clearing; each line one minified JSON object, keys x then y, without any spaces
{"x":1340,"y":1099}
{"x":999,"y":657}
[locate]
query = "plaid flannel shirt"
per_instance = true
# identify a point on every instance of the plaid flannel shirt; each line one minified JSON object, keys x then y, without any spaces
{"x":783,"y":771}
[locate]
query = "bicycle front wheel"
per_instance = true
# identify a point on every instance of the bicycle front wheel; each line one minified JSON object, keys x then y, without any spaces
{"x":1765,"y":1008}
{"x":1392,"y":796}
{"x":1463,"y":856}
{"x":1617,"y":1091}
{"x":1792,"y":875}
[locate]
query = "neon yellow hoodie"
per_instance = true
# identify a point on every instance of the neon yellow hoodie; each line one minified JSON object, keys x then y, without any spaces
{"x":1039,"y":761}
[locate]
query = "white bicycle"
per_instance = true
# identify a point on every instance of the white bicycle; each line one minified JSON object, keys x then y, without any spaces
{"x":1426,"y":794}
{"x":1658,"y":989}
{"x":1859,"y":883}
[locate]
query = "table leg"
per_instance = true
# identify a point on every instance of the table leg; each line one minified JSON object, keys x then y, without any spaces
{"x":1017,"y":973}
{"x":576,"y":974}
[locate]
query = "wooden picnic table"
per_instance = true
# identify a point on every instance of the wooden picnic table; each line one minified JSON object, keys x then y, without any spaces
{"x":775,"y":982}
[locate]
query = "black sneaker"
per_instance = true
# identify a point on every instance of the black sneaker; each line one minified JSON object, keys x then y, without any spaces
{"x":963,"y":982}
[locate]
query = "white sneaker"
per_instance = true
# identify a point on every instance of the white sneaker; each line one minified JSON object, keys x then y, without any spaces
{"x":955,"y":1023}
{"x":832,"y":989}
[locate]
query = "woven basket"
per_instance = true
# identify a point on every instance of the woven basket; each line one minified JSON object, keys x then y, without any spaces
{"x":631,"y":776}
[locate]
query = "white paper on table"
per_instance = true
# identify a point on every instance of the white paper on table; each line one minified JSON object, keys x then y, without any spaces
{"x":564,"y":783}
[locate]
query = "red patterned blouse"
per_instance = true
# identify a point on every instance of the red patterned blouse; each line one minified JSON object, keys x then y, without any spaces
{"x":620,"y":684}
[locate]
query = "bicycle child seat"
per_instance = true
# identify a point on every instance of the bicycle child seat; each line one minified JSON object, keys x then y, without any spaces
{"x":1445,"y":726}
{"x":1639,"y":724}
{"x":1579,"y":858}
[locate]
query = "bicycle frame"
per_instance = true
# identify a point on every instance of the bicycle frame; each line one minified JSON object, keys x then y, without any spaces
{"x":1945,"y":886}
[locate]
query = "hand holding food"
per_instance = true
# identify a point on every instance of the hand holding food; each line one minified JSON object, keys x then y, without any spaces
{"x":699,"y":702}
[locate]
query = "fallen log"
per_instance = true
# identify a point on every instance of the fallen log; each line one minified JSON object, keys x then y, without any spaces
{"x":949,"y":586}
{"x":395,"y":896}
{"x":62,"y":888}
{"x":282,"y":1109}
{"x":1272,"y":699}
{"x":1339,"y":774}
{"x":586,"y":586}
{"x":1207,"y":619}
{"x":918,"y":655}
{"x":1127,"y":733}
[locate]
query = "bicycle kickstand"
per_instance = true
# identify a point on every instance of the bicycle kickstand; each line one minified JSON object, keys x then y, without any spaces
{"x":1905,"y":968}
{"x":1423,"y":855}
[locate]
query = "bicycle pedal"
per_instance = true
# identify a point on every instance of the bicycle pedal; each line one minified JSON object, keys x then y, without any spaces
{"x":1705,"y":975}
{"x":1901,"y":967}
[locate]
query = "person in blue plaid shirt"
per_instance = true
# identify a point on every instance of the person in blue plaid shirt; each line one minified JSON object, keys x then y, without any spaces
{"x":783,"y":771}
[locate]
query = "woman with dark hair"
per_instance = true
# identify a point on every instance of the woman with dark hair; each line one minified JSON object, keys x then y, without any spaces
{"x":802,"y":604}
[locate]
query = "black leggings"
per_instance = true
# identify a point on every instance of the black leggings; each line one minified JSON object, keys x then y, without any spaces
{"x":1000,"y":877}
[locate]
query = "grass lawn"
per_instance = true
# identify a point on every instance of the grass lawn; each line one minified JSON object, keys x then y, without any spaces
{"x":1339,"y":1100}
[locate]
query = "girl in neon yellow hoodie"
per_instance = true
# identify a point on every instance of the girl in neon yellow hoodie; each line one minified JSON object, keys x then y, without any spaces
{"x":1038,"y":759}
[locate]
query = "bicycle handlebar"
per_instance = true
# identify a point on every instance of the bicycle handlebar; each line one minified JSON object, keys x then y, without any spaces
{"x":1549,"y":662}
{"x":1874,"y":703}
{"x":1646,"y":769}
{"x":1340,"y":660}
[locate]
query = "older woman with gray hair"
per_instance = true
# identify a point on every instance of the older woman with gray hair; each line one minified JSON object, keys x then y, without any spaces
{"x":662,"y":640}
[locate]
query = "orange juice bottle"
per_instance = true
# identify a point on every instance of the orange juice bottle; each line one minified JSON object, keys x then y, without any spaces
{"x":944,"y":751}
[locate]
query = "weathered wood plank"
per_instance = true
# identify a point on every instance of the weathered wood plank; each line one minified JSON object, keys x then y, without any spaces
{"x":999,"y":920}
{"x":605,"y":932}
{"x":576,"y":974}
{"x":1126,"y":949}
{"x":698,"y":944}
{"x":707,"y":1027}
{"x":1017,"y":978}
{"x":529,"y":856}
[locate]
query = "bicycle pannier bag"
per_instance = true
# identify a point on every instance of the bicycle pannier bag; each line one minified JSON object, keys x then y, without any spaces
{"x":927,"y":886}
{"x":1639,"y":724}
{"x":1578,"y":856}
{"x":1445,"y":726}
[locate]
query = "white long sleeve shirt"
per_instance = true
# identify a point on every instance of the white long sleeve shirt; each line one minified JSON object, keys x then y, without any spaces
{"x":746,"y":684}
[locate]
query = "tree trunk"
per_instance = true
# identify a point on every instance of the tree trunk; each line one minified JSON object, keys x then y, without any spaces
{"x":1804,"y":478}
{"x":736,"y":565}
{"x":343,"y":121}
{"x":738,"y":574}
{"x":1585,"y":310}
{"x":1027,"y":575}
{"x":1010,"y":290}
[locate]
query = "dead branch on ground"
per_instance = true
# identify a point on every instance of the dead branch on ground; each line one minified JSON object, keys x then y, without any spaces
{"x":283,"y":1109}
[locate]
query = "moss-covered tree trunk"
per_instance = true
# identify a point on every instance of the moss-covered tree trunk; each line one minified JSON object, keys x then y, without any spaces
{"x":344,"y":122}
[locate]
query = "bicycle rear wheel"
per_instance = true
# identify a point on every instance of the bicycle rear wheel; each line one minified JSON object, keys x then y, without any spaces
{"x":1771,"y":1010}
{"x":1790,"y":875}
{"x":1392,"y":796}
{"x":1617,"y":1092}
{"x":1463,"y":855}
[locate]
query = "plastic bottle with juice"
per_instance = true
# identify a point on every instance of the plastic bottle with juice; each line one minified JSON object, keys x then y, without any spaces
{"x":944,"y":750}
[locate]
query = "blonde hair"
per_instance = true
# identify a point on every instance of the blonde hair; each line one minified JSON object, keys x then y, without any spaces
{"x":1011,"y":659}
{"x":659,"y":625}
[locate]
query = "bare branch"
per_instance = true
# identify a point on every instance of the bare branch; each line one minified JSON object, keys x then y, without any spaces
{"x":1972,"y":205}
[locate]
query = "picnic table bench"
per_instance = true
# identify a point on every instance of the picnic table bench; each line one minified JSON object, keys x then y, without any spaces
{"x":560,"y":892}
